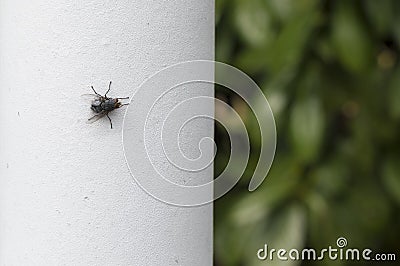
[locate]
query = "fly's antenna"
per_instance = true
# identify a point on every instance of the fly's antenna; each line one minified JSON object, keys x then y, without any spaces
{"x":109,"y":88}
{"x":95,"y":91}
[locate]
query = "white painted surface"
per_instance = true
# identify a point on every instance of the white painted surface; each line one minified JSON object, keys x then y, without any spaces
{"x":66,"y":195}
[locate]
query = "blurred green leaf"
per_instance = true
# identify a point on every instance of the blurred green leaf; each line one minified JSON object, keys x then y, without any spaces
{"x":395,"y":27}
{"x":332,"y":178}
{"x":289,"y":47}
{"x":223,"y":48}
{"x":362,"y":214}
{"x":360,"y":149}
{"x":350,"y":37}
{"x":253,"y":21}
{"x":285,"y":231}
{"x":320,"y":214}
{"x":250,"y":60}
{"x":381,"y":15}
{"x":284,"y":10}
{"x":325,"y":49}
{"x":391,"y":177}
{"x":220,"y":7}
{"x":394,"y":95}
{"x":277,"y":100}
{"x":306,"y":128}
{"x":330,"y":71}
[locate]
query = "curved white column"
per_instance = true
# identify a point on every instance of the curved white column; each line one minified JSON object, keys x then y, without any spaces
{"x":66,"y":194}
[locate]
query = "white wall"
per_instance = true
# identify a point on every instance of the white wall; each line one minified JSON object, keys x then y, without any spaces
{"x":66,"y":194}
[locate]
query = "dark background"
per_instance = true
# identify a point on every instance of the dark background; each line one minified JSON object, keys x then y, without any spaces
{"x":330,"y":70}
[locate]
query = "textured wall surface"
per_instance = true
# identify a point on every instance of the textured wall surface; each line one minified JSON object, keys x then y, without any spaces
{"x":66,"y":194}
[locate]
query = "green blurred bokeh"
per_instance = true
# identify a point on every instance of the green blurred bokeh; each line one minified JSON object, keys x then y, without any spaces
{"x":331,"y":73}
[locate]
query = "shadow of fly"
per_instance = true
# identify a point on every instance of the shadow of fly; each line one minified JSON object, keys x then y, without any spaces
{"x":103,"y":105}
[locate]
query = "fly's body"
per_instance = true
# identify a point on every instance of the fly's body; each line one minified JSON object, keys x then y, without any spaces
{"x":103,"y":105}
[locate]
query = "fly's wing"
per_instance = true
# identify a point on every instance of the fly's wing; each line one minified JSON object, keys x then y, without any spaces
{"x":95,"y":117}
{"x":90,"y":97}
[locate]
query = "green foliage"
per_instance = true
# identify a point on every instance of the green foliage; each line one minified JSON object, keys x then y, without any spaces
{"x":331,"y":72}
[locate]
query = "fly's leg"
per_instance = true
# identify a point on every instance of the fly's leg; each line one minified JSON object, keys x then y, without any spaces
{"x":125,"y":98}
{"x":109,"y":88}
{"x":109,"y":120}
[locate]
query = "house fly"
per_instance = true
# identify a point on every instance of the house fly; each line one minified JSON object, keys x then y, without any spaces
{"x":103,"y":105}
